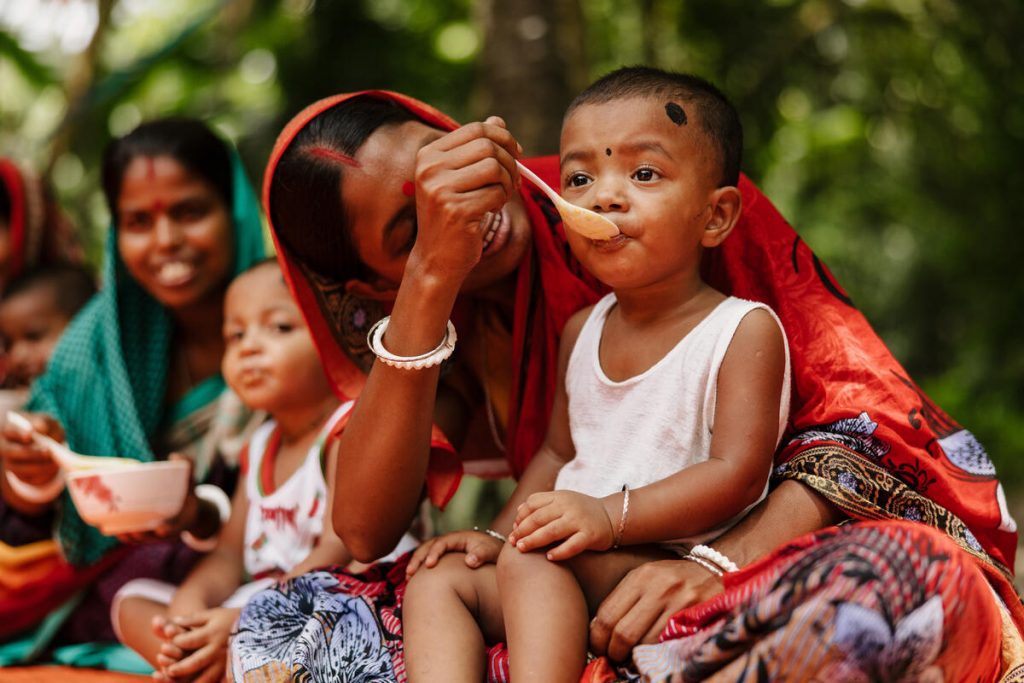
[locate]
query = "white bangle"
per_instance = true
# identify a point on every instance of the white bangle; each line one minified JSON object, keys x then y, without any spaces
{"x":44,"y":493}
{"x":704,"y":563}
{"x":216,"y":497}
{"x":711,"y":555}
{"x":375,"y":340}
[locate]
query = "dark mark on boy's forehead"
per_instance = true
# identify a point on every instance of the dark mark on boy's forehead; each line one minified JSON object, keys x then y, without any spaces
{"x":608,"y":151}
{"x":676,"y":113}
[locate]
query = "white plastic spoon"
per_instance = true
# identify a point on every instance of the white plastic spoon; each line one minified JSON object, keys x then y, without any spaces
{"x":582,"y":221}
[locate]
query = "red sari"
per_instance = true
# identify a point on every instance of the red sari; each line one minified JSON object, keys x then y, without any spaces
{"x":861,"y":434}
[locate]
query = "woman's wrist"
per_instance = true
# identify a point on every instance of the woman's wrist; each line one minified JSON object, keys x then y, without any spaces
{"x":420,"y":315}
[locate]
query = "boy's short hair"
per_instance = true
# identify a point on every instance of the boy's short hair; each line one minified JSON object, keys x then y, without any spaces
{"x":73,"y":285}
{"x":718,"y":117}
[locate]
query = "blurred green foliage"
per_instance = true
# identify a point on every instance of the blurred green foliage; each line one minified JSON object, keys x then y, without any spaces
{"x":890,"y":132}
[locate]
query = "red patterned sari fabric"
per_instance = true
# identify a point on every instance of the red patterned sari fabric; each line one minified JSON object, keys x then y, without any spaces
{"x":867,"y":601}
{"x":861,"y":434}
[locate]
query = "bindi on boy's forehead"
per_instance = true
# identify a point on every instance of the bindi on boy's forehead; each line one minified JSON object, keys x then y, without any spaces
{"x":607,"y":151}
{"x":676,"y":114}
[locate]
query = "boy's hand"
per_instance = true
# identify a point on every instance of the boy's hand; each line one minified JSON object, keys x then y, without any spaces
{"x":203,"y":644}
{"x":169,"y":654}
{"x":546,"y":518}
{"x":479,"y":547}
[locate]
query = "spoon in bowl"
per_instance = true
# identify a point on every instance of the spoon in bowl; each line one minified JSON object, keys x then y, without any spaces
{"x":582,"y":221}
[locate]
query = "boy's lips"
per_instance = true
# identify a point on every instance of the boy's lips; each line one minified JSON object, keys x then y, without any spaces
{"x":612,"y":244}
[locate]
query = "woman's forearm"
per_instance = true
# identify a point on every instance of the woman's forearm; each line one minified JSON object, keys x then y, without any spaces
{"x":790,"y":510}
{"x":384,"y":450}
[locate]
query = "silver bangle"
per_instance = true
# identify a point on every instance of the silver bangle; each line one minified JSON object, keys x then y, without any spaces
{"x":492,"y":533}
{"x":375,"y":340}
{"x":716,"y":558}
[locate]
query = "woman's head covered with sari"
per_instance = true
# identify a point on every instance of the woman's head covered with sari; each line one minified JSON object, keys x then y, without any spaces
{"x":107,"y":380}
{"x":302,"y":200}
{"x":861,"y":433}
{"x":33,"y":229}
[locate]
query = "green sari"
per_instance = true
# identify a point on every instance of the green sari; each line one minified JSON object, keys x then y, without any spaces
{"x":107,"y":378}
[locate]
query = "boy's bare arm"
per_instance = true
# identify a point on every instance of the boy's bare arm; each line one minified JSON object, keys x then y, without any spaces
{"x":220,"y":573}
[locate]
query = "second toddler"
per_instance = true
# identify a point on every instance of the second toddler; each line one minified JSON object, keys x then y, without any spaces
{"x":276,"y":528}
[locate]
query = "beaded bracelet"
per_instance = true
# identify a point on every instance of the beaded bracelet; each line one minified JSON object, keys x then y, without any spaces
{"x":375,"y":340}
{"x":711,"y":555}
{"x":492,"y":533}
{"x":622,"y":519}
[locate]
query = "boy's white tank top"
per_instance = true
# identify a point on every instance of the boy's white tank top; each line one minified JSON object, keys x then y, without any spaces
{"x":650,"y":426}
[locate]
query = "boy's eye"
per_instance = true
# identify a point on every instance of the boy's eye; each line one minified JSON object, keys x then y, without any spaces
{"x":283,"y":328}
{"x":577,"y":180}
{"x":645,"y":175}
{"x":232,"y":335}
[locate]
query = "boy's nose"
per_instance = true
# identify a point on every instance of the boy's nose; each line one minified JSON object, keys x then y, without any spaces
{"x":608,"y":195}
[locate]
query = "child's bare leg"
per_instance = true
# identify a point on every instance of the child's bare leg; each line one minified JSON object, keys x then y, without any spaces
{"x":545,"y":617}
{"x":547,"y":606}
{"x":135,"y":626}
{"x":449,"y":614}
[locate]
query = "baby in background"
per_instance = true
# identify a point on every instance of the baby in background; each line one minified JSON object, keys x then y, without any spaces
{"x":276,"y":528}
{"x":672,"y":398}
{"x":34,"y":311}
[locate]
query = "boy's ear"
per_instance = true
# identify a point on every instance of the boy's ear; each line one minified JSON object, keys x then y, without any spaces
{"x":379,"y":290}
{"x":726,"y":205}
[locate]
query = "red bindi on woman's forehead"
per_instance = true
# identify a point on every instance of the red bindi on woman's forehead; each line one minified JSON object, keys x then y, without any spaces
{"x":408,"y":189}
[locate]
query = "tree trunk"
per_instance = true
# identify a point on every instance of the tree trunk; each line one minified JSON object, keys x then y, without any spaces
{"x":532,"y":64}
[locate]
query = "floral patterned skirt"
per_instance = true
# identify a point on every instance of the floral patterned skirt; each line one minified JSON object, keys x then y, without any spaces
{"x":879,"y":601}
